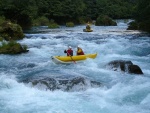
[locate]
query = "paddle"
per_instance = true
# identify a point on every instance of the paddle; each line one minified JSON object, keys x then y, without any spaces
{"x":71,"y":57}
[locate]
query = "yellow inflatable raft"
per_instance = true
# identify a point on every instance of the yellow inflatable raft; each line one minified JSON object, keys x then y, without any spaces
{"x":72,"y":59}
{"x":87,"y":30}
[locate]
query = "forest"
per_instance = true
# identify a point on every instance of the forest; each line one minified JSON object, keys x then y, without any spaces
{"x":24,"y":12}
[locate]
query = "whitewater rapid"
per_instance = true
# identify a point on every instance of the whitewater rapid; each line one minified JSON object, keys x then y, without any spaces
{"x":121,"y":92}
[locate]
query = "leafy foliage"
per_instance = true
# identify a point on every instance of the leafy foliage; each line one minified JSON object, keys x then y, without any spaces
{"x":1,"y":39}
{"x":41,"y":21}
{"x":12,"y":47}
{"x":53,"y":24}
{"x":104,"y":20}
{"x":69,"y":24}
{"x":133,"y":25}
{"x":10,"y":31}
{"x":142,"y":16}
{"x":24,"y":11}
{"x":19,"y":11}
{"x":2,"y":19}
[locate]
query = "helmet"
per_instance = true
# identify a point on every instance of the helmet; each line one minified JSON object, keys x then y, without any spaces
{"x":69,"y":47}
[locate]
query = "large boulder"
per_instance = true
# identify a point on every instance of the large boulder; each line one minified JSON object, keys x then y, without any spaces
{"x":73,"y":84}
{"x":134,"y":69}
{"x":125,"y":66}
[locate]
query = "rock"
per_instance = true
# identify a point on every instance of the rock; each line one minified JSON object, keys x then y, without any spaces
{"x":134,"y":69}
{"x":119,"y":64}
{"x":125,"y":66}
{"x":74,"y":84}
{"x":26,"y":65}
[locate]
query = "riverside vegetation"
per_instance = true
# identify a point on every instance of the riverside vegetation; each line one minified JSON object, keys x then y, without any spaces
{"x":39,"y":12}
{"x":53,"y":13}
{"x":9,"y":34}
{"x":23,"y":14}
{"x":141,"y":16}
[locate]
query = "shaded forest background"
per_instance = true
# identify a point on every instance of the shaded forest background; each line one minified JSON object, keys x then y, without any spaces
{"x":24,"y":12}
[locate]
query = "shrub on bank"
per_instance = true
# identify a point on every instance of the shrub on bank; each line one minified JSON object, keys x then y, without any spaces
{"x":1,"y":39}
{"x":53,"y":24}
{"x":69,"y":24}
{"x":82,"y":20}
{"x":11,"y":31}
{"x":41,"y":21}
{"x":2,"y":19}
{"x":104,"y":20}
{"x":12,"y":47}
{"x":144,"y":26}
{"x":133,"y":26}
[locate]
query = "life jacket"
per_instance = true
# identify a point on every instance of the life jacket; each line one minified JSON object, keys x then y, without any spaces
{"x":69,"y":52}
{"x":80,"y":52}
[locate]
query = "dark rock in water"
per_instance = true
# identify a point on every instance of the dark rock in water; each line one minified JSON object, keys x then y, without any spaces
{"x":74,"y":84}
{"x":134,"y":69}
{"x":48,"y":83}
{"x":121,"y":64}
{"x":125,"y":66}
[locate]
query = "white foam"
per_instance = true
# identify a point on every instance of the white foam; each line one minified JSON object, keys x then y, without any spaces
{"x":122,"y":92}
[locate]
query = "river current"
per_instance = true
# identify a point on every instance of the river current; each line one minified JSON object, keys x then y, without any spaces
{"x":120,"y":93}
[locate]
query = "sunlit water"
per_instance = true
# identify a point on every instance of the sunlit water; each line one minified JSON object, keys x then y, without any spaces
{"x":120,"y":93}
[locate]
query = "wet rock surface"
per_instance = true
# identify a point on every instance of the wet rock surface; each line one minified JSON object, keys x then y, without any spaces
{"x":125,"y":66}
{"x":73,"y":84}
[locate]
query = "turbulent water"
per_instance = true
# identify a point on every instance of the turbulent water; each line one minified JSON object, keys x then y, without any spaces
{"x":120,"y":92}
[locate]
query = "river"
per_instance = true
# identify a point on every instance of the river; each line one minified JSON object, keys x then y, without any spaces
{"x":120,"y":92}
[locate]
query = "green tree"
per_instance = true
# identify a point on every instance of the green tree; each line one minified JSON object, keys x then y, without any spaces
{"x":19,"y":11}
{"x":143,"y":15}
{"x":62,"y":11}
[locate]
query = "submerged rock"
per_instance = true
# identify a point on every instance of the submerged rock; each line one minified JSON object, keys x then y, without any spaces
{"x":125,"y":66}
{"x":26,"y":65}
{"x":74,"y":84}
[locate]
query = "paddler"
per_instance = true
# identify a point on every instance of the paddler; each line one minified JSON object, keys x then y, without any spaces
{"x":79,"y":51}
{"x":69,"y":51}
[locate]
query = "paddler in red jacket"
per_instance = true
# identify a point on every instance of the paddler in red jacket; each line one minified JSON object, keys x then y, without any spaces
{"x":69,"y":51}
{"x":79,"y":51}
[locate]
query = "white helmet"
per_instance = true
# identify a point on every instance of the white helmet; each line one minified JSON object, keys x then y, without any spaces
{"x":69,"y":47}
